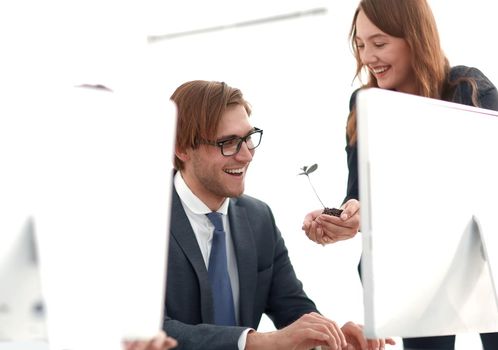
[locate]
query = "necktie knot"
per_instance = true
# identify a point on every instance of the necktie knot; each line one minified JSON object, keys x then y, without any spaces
{"x":216,"y":220}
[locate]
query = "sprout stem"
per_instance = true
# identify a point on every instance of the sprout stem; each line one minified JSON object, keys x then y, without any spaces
{"x":316,"y":194}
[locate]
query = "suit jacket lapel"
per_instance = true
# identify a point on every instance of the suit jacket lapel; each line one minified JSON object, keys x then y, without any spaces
{"x":245,"y":252}
{"x":182,"y":232}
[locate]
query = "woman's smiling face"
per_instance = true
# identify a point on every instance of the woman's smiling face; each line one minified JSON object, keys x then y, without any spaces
{"x":387,"y":57}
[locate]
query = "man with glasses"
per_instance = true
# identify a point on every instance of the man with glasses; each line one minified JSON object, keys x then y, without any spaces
{"x":227,"y":262}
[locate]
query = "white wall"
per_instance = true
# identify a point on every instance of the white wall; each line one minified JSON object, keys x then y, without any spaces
{"x":296,"y":73}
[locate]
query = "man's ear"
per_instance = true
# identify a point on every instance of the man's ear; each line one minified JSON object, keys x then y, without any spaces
{"x":182,"y":154}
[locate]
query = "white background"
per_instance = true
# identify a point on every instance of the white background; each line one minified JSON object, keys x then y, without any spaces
{"x":297,"y":74}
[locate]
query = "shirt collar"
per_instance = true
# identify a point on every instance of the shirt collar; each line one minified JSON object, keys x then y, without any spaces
{"x":192,"y":201}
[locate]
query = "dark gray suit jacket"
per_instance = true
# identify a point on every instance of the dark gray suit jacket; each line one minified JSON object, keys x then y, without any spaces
{"x":267,"y":280}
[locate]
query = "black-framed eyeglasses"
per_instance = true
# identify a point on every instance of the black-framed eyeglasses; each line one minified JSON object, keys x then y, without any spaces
{"x":231,"y":146}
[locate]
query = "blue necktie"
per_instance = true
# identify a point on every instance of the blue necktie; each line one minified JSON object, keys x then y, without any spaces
{"x":224,"y":314}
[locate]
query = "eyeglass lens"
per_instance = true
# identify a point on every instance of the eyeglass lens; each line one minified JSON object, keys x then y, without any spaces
{"x":230,"y":147}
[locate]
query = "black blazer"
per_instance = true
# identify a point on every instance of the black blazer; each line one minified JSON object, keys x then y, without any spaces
{"x":267,"y":280}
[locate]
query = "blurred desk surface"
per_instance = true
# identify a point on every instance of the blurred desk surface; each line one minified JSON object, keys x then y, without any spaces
{"x":23,"y":345}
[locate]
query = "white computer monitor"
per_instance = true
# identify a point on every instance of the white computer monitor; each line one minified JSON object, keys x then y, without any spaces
{"x":429,"y":205}
{"x":93,"y":169}
{"x":22,"y":310}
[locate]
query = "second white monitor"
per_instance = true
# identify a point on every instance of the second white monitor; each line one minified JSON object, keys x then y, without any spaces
{"x":429,"y":196}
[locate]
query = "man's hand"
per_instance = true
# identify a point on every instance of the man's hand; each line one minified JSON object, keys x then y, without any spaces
{"x":357,"y":341}
{"x":160,"y":342}
{"x":326,"y":229}
{"x":307,"y":332}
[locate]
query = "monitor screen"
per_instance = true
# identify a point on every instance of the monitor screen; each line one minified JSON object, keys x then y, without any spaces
{"x":93,"y":169}
{"x":429,"y":198}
